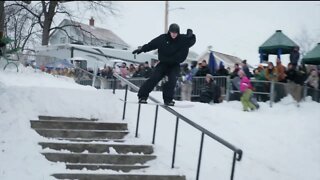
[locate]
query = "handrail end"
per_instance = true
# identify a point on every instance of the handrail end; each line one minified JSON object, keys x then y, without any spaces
{"x":239,"y":152}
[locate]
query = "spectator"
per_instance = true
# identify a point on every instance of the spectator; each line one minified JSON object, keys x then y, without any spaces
{"x":281,"y":78}
{"x":228,"y":69}
{"x":245,"y":69}
{"x":210,"y":92}
{"x":235,"y":80}
{"x":107,"y":72}
{"x":281,"y":71}
{"x":302,"y":74}
{"x":186,"y":82}
{"x":131,"y":70}
{"x":293,"y":82}
{"x":313,"y":83}
{"x":235,"y":71}
{"x":260,"y":86}
{"x":203,"y":69}
{"x":222,"y":71}
{"x":140,"y":71}
{"x":271,"y":73}
{"x":124,"y":70}
{"x":194,"y":68}
{"x":294,"y":57}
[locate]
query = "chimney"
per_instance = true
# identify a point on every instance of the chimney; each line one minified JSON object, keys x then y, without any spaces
{"x":91,"y":22}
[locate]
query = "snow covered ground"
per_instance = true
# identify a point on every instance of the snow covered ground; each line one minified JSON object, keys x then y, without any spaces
{"x":282,"y":142}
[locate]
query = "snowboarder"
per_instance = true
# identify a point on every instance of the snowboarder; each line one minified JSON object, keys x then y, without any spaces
{"x":173,"y":49}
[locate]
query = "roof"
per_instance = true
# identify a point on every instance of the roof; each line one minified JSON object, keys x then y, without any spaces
{"x":97,"y":32}
{"x":277,"y":41}
{"x":313,"y":56}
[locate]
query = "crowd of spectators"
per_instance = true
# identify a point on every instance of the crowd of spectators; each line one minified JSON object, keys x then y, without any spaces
{"x":295,"y":76}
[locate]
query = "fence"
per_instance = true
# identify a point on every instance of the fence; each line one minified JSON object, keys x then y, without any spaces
{"x":263,"y":90}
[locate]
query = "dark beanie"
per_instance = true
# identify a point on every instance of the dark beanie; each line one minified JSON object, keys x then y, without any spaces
{"x":244,"y":61}
{"x":174,"y":28}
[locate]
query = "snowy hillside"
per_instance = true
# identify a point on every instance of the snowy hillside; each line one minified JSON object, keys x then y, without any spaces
{"x":282,"y":142}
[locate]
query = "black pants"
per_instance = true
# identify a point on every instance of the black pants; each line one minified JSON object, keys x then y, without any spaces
{"x":161,"y":70}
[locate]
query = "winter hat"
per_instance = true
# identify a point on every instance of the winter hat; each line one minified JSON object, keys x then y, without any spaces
{"x":174,"y":28}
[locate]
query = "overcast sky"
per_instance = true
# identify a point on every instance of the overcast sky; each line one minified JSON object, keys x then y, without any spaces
{"x":235,"y":28}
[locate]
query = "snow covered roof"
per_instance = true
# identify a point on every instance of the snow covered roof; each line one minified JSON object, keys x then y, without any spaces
{"x":228,"y":60}
{"x":97,"y":32}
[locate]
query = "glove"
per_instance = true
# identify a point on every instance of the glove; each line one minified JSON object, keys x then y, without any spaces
{"x":137,"y":51}
{"x":189,"y":32}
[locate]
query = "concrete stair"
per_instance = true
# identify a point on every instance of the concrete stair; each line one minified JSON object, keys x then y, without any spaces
{"x":94,"y":145}
{"x":98,"y":158}
{"x":118,"y":177}
{"x":116,"y":167}
{"x":98,"y":148}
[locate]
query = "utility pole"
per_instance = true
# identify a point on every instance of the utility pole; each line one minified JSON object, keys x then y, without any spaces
{"x":166,"y":11}
{"x":166,"y":15}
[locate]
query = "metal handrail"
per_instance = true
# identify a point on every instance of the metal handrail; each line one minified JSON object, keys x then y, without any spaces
{"x":237,"y":152}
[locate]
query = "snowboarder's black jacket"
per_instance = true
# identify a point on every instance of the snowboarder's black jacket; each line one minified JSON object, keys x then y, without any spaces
{"x":171,"y":51}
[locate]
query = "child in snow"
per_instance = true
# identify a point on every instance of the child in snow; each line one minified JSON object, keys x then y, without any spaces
{"x":246,"y":90}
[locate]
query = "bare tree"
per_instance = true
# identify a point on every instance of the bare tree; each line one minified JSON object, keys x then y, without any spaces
{"x":306,"y":41}
{"x":20,"y":26}
{"x":1,"y":18}
{"x":45,"y":11}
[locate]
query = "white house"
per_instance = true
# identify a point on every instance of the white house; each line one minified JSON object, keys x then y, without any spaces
{"x":85,"y":34}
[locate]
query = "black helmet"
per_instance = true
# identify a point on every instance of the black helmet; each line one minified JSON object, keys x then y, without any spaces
{"x":174,"y":28}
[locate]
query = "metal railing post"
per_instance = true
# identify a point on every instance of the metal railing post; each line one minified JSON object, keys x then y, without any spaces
{"x":271,"y":93}
{"x":125,"y":102}
{"x":175,"y":143}
{"x":200,"y":156}
{"x":304,"y":92}
{"x":114,"y":85}
{"x":155,"y":125}
{"x":233,"y":165}
{"x":138,"y":118}
{"x":228,"y":89}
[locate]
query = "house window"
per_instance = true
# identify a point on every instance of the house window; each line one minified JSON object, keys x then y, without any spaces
{"x":63,"y":40}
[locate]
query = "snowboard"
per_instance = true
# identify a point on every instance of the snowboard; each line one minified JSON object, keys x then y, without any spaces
{"x":160,"y":104}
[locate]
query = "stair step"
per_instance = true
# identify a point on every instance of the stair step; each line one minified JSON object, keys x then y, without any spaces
{"x":65,"y":118}
{"x":98,"y":148}
{"x":90,"y":140}
{"x":59,"y":124}
{"x":118,"y":177}
{"x":116,"y":167}
{"x":98,"y":158}
{"x":98,"y":134}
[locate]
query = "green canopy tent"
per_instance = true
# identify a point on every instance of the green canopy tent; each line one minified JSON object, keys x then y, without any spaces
{"x":313,"y":56}
{"x":277,"y":44}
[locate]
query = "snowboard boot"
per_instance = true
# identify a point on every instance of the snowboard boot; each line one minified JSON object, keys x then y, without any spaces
{"x":169,"y":103}
{"x":143,"y":100}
